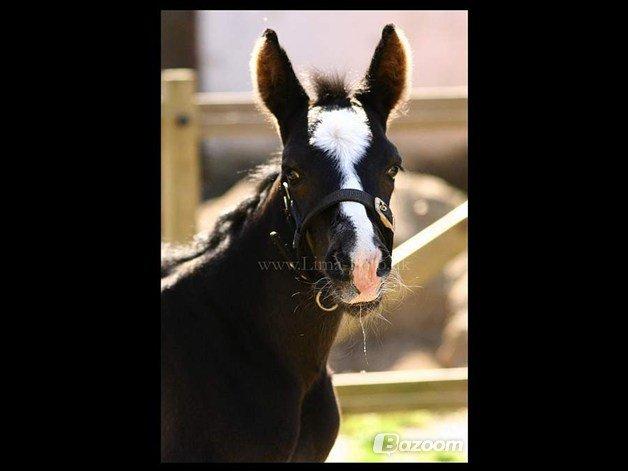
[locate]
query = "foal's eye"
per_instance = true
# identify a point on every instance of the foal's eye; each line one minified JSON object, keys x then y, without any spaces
{"x":293,"y":176}
{"x":393,"y":171}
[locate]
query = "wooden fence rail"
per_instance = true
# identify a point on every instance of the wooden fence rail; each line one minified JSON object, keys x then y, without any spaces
{"x":235,"y":114}
{"x":390,"y":391}
{"x":425,"y":254}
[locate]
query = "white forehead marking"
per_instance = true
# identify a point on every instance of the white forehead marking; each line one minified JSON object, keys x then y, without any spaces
{"x":344,"y":135}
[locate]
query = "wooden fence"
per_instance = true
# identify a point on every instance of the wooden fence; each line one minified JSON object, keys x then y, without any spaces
{"x":188,"y":116}
{"x":390,"y":391}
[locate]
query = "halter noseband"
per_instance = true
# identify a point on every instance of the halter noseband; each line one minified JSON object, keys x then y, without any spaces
{"x":375,"y":205}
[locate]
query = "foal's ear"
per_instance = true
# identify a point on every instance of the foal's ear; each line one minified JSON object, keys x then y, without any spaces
{"x":387,"y":81}
{"x":275,"y":82}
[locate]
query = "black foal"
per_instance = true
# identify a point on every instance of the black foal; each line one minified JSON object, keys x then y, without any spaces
{"x":245,"y":336}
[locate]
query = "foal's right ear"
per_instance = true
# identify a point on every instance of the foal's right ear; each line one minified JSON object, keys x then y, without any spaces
{"x":274,"y":80}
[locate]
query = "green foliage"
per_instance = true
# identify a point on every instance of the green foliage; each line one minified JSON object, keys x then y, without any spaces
{"x":355,"y":442}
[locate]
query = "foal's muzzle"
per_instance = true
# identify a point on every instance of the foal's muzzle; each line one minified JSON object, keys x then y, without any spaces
{"x":357,"y":275}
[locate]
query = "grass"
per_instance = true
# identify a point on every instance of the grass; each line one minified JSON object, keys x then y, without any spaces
{"x":355,"y":440}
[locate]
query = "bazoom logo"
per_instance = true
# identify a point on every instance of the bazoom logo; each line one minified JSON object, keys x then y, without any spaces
{"x":390,"y":443}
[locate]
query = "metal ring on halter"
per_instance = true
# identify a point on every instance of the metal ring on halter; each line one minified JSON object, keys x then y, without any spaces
{"x":318,"y":301}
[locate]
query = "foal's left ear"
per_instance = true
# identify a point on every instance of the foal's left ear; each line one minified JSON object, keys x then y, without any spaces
{"x":274,"y":80}
{"x":387,"y":81}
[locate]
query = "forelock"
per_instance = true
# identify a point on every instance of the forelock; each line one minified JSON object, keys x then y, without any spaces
{"x":330,"y":89}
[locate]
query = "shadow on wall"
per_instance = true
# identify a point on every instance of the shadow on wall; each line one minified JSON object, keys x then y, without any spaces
{"x":178,"y":39}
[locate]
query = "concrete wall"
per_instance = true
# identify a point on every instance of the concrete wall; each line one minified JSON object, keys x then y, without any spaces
{"x":336,"y":40}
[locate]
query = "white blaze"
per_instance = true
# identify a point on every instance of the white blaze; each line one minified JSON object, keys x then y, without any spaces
{"x":344,"y":135}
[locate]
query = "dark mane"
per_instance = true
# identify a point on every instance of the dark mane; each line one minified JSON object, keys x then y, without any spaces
{"x":227,"y":225}
{"x":330,"y":89}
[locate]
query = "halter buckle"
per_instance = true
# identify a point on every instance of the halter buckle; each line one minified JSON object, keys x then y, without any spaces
{"x":285,"y":187}
{"x":382,"y":208}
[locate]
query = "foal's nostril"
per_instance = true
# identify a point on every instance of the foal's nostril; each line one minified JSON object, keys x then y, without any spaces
{"x":385,"y":263}
{"x":383,"y":269}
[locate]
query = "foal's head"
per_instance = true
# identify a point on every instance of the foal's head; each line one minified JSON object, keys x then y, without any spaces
{"x":333,"y":140}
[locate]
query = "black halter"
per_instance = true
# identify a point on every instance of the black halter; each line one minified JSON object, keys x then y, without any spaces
{"x":376,"y":206}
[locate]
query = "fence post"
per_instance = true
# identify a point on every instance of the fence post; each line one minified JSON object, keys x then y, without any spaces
{"x":180,"y":166}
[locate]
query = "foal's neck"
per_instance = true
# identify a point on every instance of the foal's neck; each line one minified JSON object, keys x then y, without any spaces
{"x":281,"y":309}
